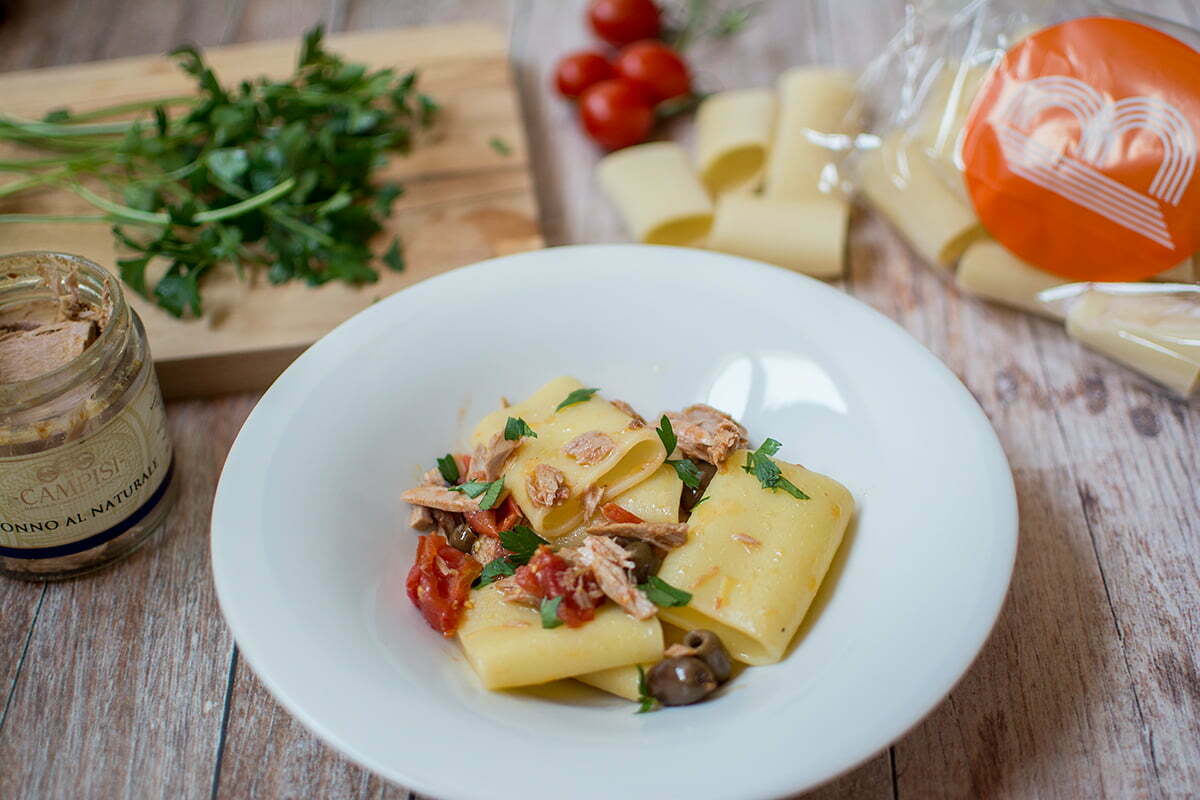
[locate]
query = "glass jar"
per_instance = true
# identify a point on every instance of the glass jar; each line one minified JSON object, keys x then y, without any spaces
{"x":85,"y":456}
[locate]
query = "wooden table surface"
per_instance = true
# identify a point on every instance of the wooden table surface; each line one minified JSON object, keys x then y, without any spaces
{"x":128,"y":683}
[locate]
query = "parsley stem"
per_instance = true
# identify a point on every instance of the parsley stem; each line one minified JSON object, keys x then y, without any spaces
{"x":286,"y":220}
{"x":125,"y":108}
{"x":52,"y":129}
{"x":55,"y":218}
{"x":118,"y":210}
{"x":249,"y":204}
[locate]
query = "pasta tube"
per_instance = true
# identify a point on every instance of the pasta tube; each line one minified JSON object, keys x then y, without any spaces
{"x":733,"y":133}
{"x":807,"y":236}
{"x":657,"y":194}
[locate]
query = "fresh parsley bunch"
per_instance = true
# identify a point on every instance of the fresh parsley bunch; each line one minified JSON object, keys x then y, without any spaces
{"x":278,"y":174}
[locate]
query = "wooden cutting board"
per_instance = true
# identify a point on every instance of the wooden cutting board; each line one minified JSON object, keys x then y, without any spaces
{"x":465,"y":201}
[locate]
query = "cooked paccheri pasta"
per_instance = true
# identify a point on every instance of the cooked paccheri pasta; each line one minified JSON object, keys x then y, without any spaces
{"x":557,"y":547}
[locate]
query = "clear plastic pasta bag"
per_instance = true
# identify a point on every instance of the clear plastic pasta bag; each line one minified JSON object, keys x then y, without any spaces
{"x":1044,"y":155}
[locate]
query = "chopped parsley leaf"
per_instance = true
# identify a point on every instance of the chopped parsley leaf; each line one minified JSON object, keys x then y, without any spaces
{"x":489,"y":489}
{"x":664,"y":594}
{"x":549,"y":611}
{"x":577,"y":396}
{"x":759,"y":464}
{"x":516,"y":427}
{"x":645,"y":701}
{"x":687,"y":471}
{"x":448,"y":466}
{"x":666,"y":435}
{"x":523,"y":542}
{"x":493,"y":571}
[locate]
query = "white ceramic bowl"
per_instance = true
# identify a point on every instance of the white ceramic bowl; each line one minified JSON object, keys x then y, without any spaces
{"x":310,"y":547}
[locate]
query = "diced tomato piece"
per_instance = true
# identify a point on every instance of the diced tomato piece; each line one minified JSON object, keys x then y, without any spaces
{"x":617,"y":514}
{"x":439,"y":582}
{"x":491,"y":522}
{"x":548,"y":575}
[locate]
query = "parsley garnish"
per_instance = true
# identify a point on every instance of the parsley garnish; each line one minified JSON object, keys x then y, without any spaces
{"x":577,"y":396}
{"x":666,"y":435}
{"x":448,"y":466}
{"x":489,"y":489}
{"x":664,"y":594}
{"x":394,"y":257}
{"x":687,"y":471}
{"x":685,"y":468}
{"x":696,"y":504}
{"x":280,"y":174}
{"x":493,"y":571}
{"x":549,"y":610}
{"x":759,"y":464}
{"x":516,"y":427}
{"x":500,"y":146}
{"x":645,"y":701}
{"x":523,"y":542}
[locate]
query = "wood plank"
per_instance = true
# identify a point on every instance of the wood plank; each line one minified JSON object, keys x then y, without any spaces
{"x":269,"y":754}
{"x":1048,"y":708}
{"x":123,"y":685}
{"x":467,"y":201}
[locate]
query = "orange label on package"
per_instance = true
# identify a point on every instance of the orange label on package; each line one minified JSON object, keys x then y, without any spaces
{"x":1080,"y":150}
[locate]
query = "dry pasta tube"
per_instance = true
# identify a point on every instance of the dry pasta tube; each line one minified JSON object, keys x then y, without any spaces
{"x":988,"y":269}
{"x":1156,"y":334}
{"x":899,"y":181}
{"x":733,"y":132}
{"x":657,"y":194}
{"x":808,"y":236}
{"x":944,"y":112}
{"x":814,"y":103}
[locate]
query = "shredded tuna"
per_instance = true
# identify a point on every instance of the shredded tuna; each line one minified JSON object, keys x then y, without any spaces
{"x":433,"y":477}
{"x":748,"y":541}
{"x":667,"y":535}
{"x":513,"y":593}
{"x":547,"y":486}
{"x":487,"y":462}
{"x":487,"y":549}
{"x":679,"y":651}
{"x":621,"y":405}
{"x":707,"y":434}
{"x":446,"y":521}
{"x":589,"y":448}
{"x":439,"y":497}
{"x":591,"y":500}
{"x":420,"y":518}
{"x":609,"y":564}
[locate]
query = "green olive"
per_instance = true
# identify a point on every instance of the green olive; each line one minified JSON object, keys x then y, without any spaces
{"x":707,"y":646}
{"x":680,"y":681}
{"x":646,"y":560}
{"x":462,"y":538}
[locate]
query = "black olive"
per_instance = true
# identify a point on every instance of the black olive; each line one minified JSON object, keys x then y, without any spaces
{"x":462,"y":538}
{"x":692,"y":496}
{"x":707,"y":646}
{"x":680,"y":681}
{"x":646,"y":560}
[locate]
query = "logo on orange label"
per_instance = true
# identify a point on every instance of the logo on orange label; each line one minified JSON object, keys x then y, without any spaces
{"x":1080,"y":150}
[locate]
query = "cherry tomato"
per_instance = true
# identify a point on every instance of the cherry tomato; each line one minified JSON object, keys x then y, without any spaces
{"x":577,"y":71}
{"x":620,"y":22}
{"x":617,"y":514}
{"x":616,"y":113}
{"x":439,"y":582}
{"x":548,"y":575}
{"x":657,"y":68}
{"x":494,"y":520}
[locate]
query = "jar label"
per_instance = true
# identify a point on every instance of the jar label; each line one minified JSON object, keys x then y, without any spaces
{"x":72,"y":498}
